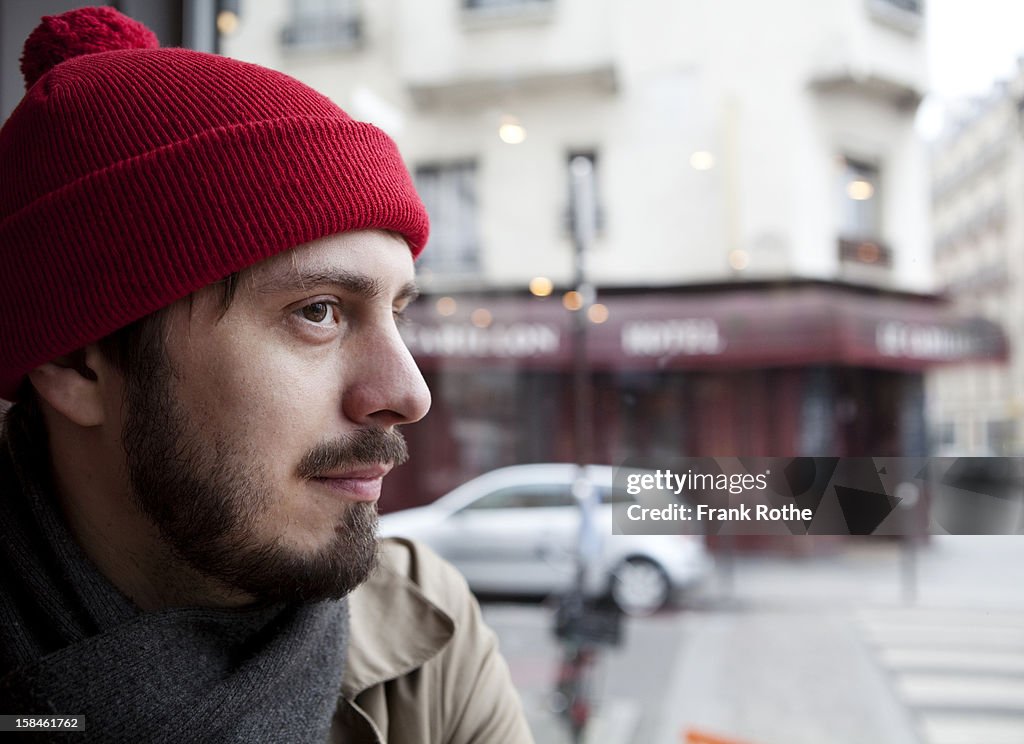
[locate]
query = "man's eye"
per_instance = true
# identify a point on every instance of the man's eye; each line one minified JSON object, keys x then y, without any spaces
{"x":318,"y":313}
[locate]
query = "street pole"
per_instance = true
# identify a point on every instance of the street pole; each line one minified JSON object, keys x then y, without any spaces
{"x":584,"y":226}
{"x":579,"y":649}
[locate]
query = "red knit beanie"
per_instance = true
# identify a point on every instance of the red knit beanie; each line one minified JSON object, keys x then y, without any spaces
{"x":131,"y":176}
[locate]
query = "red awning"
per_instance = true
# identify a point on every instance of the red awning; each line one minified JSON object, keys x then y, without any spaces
{"x":726,"y":329}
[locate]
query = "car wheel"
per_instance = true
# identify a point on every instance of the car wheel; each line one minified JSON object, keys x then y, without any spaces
{"x":639,"y":586}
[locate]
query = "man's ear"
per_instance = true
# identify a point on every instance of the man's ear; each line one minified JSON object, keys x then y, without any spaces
{"x":73,"y":385}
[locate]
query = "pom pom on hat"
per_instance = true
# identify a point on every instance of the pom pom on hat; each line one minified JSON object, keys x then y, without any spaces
{"x":78,"y":32}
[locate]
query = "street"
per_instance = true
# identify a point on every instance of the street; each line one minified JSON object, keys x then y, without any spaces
{"x":842,"y":648}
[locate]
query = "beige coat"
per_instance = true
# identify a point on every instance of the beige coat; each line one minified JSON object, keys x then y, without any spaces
{"x":422,"y":666}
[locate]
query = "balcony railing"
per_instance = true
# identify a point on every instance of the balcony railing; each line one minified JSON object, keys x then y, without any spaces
{"x":909,"y":6}
{"x":905,"y":15}
{"x":865,"y":253}
{"x":506,"y":6}
{"x":329,"y":32}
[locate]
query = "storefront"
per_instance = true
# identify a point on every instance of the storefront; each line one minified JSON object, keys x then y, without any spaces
{"x":800,"y":368}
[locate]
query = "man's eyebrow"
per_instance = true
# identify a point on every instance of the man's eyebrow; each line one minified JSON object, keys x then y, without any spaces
{"x":363,"y":285}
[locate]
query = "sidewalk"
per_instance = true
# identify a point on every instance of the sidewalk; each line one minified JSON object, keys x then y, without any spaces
{"x":863,"y":645}
{"x":781,"y":677}
{"x":780,"y":654}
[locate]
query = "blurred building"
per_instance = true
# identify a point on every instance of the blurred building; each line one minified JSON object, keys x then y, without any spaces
{"x":978,"y":217}
{"x":733,"y":140}
{"x":762,"y":254}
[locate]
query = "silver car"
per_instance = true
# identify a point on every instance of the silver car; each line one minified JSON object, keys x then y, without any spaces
{"x":515,"y":531}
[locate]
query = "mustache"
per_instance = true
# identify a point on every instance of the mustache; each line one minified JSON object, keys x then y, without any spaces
{"x":362,"y":447}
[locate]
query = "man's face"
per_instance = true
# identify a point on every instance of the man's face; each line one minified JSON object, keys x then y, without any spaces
{"x":257,"y":442}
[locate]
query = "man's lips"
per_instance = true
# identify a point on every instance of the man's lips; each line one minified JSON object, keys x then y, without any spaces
{"x":357,"y":484}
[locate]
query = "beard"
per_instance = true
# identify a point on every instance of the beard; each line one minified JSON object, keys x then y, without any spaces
{"x":207,"y":497}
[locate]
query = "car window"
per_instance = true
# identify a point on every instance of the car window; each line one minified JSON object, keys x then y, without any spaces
{"x":533,"y":496}
{"x":614,"y":496}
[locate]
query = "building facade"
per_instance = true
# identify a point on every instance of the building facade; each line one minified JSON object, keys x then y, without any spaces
{"x":724,"y":135}
{"x":757,"y":274}
{"x":978,"y":216}
{"x":760,"y":243}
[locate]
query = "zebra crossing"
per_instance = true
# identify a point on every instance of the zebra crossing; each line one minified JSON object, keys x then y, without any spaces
{"x":959,"y":672}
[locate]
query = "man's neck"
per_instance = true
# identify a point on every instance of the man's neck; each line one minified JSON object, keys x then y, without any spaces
{"x":124,"y":544}
{"x":132,"y":556}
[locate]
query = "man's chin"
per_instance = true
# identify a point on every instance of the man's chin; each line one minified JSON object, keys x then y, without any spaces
{"x":331,"y":574}
{"x":274,"y":572}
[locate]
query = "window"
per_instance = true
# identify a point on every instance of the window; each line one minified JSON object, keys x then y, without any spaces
{"x":908,"y":6}
{"x":1001,"y":437}
{"x":534,"y":496}
{"x":614,"y":495}
{"x":945,"y":435}
{"x":486,"y":13}
{"x":860,"y":215}
{"x":323,"y":24}
{"x":859,"y":198}
{"x":511,"y":6}
{"x":449,"y":193}
{"x":903,"y":15}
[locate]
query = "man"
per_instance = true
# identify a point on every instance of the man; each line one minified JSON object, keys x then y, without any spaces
{"x":201,"y":266}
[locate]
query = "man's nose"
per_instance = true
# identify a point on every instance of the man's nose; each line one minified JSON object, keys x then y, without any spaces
{"x":384,"y":386}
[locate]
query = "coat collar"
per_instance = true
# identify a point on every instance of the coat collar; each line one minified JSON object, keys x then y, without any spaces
{"x":393,"y":628}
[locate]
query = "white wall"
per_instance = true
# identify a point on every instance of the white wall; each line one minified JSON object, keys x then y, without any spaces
{"x":732,"y":77}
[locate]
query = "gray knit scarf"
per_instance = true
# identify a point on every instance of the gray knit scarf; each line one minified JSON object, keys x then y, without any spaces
{"x":72,"y":644}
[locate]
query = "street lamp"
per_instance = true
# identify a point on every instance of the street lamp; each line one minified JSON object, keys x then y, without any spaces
{"x":584,"y":227}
